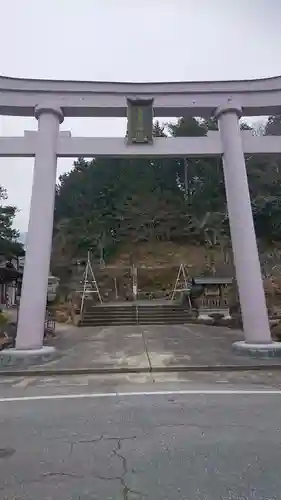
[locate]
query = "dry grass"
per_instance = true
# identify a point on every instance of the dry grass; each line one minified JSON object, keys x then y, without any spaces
{"x":160,"y":254}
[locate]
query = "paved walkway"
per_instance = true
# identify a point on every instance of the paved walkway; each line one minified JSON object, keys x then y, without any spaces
{"x":147,"y":348}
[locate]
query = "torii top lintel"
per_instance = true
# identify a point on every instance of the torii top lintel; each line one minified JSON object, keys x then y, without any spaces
{"x":19,"y":96}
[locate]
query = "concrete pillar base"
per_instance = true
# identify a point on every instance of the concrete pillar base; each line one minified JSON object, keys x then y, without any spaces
{"x":22,"y":358}
{"x":271,"y":350}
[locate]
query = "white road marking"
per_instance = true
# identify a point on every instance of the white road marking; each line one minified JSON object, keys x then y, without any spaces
{"x":195,"y":392}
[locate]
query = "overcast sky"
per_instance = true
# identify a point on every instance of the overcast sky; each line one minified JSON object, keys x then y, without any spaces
{"x":144,"y":40}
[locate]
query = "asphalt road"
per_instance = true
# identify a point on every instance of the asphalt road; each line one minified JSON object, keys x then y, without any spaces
{"x":158,"y":447}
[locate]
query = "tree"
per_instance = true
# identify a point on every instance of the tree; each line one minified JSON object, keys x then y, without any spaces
{"x":108,"y":202}
{"x":158,"y":130}
{"x":9,"y":246}
{"x":264,"y":175}
{"x":185,"y":127}
{"x":273,"y":126}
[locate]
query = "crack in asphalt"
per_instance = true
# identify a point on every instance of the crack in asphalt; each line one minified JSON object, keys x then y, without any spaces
{"x":116,"y":451}
{"x":147,"y":353}
{"x":67,"y":474}
{"x":82,"y":441}
{"x":204,"y":426}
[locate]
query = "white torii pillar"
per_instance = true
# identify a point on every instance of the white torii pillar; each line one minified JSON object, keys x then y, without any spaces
{"x":32,"y":311}
{"x":258,"y":340}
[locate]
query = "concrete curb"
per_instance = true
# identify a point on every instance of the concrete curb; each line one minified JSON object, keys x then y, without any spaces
{"x":38,"y":372}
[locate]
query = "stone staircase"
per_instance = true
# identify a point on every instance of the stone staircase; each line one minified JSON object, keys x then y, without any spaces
{"x":131,"y":314}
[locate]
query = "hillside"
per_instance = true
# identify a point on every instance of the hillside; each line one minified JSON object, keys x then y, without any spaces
{"x":198,"y":258}
{"x":162,"y":212}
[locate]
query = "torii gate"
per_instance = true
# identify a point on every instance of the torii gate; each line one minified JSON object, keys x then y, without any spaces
{"x":50,"y":101}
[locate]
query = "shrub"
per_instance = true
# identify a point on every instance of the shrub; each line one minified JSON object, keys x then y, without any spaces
{"x":3,"y":319}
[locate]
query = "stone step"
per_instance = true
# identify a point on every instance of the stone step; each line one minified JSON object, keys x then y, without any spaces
{"x":135,"y":317}
{"x":140,"y":321}
{"x":117,"y":309}
{"x":132,"y":315}
{"x":135,"y":310}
